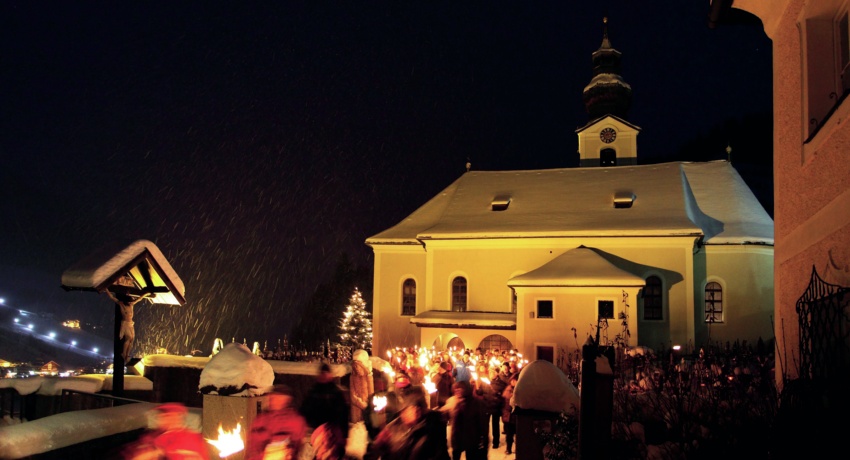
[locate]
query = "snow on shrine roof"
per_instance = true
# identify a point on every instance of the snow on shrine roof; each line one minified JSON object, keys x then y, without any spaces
{"x":443,"y":318}
{"x":578,"y":267}
{"x":103,"y":267}
{"x":671,"y":199}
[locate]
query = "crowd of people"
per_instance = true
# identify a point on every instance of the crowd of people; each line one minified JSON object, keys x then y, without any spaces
{"x":468,"y":391}
{"x":434,"y":405}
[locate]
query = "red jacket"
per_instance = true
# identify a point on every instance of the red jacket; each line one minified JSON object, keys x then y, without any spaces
{"x":180,"y":444}
{"x":285,"y":425}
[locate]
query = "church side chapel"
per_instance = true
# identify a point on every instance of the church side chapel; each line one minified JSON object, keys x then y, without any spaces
{"x":655,"y":255}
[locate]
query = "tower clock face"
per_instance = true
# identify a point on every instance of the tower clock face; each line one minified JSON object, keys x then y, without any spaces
{"x":608,"y":135}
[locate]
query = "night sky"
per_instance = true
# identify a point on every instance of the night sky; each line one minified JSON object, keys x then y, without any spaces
{"x":255,"y":143}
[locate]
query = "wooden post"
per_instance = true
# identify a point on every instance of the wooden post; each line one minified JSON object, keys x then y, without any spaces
{"x":587,"y":414}
{"x":117,"y":357}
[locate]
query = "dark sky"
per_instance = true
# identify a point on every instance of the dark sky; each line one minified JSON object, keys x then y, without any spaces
{"x":255,"y":143}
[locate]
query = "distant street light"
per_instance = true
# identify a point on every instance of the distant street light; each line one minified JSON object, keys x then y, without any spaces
{"x":73,"y":343}
{"x":52,"y":335}
{"x":30,"y":326}
{"x":95,"y":349}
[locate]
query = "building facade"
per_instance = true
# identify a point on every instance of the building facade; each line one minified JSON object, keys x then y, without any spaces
{"x":811,"y":169}
{"x":542,"y":260}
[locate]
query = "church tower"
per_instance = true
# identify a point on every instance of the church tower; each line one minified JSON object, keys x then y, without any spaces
{"x":607,"y":139}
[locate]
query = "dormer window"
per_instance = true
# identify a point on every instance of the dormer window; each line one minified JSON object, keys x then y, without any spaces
{"x":624,"y":199}
{"x":500,"y":202}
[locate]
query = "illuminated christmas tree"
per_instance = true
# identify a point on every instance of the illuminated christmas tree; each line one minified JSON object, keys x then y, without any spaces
{"x":355,"y":330}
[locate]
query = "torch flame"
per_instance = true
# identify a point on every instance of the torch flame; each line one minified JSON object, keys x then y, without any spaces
{"x":380,"y":402}
{"x":228,"y":442}
{"x":430,"y":387}
{"x":389,"y":371}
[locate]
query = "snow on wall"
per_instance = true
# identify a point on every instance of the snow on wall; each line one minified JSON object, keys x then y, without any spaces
{"x":89,"y":383}
{"x":69,"y":428}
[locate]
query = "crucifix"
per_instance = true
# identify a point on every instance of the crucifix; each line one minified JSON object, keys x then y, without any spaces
{"x":127,"y":331}
{"x":128,"y":272}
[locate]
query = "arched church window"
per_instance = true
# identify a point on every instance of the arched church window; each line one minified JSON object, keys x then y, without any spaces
{"x":653,"y":299}
{"x":713,"y":303}
{"x":459,"y":294}
{"x":408,"y":298}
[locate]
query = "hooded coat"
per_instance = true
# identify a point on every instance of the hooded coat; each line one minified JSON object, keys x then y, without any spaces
{"x":361,"y":385}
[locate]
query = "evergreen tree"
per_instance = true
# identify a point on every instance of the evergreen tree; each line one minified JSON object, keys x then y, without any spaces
{"x":355,"y":330}
{"x":320,"y":316}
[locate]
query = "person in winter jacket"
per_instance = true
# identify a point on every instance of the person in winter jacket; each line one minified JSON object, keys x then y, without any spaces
{"x":278,"y":431}
{"x":325,"y":402}
{"x":490,"y":389}
{"x":417,"y":434}
{"x":443,"y":381}
{"x":361,"y":384}
{"x":508,"y":416}
{"x":462,"y":371}
{"x":468,"y":421}
{"x":171,"y":439}
{"x":376,"y":418}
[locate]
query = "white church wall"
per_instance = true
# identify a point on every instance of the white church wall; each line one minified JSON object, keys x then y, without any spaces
{"x":573,"y":308}
{"x":389,"y":328}
{"x":747,"y":277}
{"x":489,"y":264}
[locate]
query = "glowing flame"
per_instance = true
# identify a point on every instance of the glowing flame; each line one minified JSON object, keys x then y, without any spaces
{"x":228,"y":442}
{"x":389,"y":371}
{"x":485,"y":380}
{"x":380,"y":402}
{"x":429,"y":385}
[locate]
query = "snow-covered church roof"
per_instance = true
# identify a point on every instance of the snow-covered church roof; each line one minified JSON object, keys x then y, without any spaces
{"x":707,"y":199}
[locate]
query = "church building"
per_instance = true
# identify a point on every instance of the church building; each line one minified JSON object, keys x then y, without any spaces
{"x":657,"y":255}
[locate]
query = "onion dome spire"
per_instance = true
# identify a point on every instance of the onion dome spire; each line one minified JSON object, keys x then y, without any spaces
{"x":607,"y":93}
